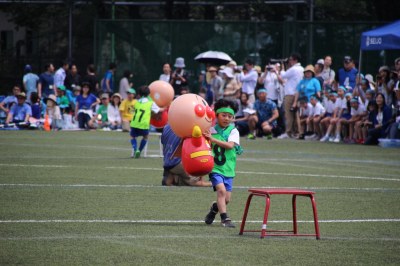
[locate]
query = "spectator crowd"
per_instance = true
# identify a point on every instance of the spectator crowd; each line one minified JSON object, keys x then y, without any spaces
{"x":284,"y":99}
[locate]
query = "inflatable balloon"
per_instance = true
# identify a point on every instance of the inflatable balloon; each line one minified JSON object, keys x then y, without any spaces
{"x":159,"y":120}
{"x":197,"y":159}
{"x":188,"y":111}
{"x":161,"y":92}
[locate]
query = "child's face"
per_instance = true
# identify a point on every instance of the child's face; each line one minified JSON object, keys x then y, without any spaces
{"x":341,"y":93}
{"x":224,"y":119}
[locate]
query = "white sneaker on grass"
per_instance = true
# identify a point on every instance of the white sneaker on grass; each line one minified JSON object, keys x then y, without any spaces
{"x":284,"y":136}
{"x":324,"y":138}
{"x":336,"y":140}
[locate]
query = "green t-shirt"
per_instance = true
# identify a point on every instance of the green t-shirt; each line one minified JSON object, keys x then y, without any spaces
{"x":103,"y":112}
{"x":224,"y":160}
{"x":141,"y":118}
{"x":64,"y":102}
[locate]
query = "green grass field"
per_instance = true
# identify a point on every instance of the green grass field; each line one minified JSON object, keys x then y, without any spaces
{"x":76,"y":198}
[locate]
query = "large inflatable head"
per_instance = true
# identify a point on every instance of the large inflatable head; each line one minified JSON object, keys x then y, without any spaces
{"x":161,"y":92}
{"x":188,"y":111}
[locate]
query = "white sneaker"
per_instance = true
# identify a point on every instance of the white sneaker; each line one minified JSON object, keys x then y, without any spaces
{"x":324,"y":139}
{"x":311,"y":137}
{"x":133,"y":153}
{"x":336,"y":140}
{"x":284,"y":136}
{"x":331,"y":139}
{"x":316,"y":137}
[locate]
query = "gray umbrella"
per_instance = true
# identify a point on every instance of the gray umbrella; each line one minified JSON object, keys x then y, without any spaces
{"x":213,"y":57}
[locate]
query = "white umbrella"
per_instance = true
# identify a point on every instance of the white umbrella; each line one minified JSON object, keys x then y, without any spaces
{"x":213,"y":57}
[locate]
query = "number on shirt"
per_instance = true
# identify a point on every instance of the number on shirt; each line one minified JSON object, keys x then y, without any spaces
{"x":219,"y":155}
{"x":141,"y":115}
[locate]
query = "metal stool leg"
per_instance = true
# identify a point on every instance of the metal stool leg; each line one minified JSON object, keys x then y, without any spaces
{"x":264,"y":225}
{"x":246,"y":210}
{"x":314,"y":206}
{"x":294,"y":214}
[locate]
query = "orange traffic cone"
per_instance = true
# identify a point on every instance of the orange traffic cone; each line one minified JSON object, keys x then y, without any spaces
{"x":46,"y":124}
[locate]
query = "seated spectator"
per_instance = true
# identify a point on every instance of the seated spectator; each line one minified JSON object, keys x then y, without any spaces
{"x":357,"y":113}
{"x":100,"y":120}
{"x":340,"y":107}
{"x":113,"y":114}
{"x":314,"y":120}
{"x":62,"y":99}
{"x":304,"y":112}
{"x":245,"y":109}
{"x":85,"y":103}
{"x":20,"y":112}
{"x":265,"y":117}
{"x":362,"y":126}
{"x":35,"y":105}
{"x":174,"y":174}
{"x":127,"y":109}
{"x":72,"y":98}
{"x":8,"y":102}
{"x":329,"y":103}
{"x":381,"y":121}
{"x":54,"y":113}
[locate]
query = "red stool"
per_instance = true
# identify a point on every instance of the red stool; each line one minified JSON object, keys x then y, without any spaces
{"x":267,"y":194}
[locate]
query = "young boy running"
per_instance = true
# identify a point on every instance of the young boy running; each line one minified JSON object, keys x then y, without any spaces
{"x":140,"y":123}
{"x":225,"y":145}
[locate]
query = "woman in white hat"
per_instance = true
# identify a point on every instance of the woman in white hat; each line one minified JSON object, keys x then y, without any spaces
{"x":231,"y":87}
{"x":179,"y":77}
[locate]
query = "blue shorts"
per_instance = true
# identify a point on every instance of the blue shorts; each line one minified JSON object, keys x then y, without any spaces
{"x":328,"y":115}
{"x":217,"y":178}
{"x":346,"y":116}
{"x":136,"y":132}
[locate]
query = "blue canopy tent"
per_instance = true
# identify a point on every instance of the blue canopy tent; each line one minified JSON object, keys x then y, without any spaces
{"x":383,"y":38}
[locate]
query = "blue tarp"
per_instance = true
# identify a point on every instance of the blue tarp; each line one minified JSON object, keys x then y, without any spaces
{"x":383,"y":38}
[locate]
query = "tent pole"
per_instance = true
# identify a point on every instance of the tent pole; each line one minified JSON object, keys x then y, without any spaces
{"x":359,"y":63}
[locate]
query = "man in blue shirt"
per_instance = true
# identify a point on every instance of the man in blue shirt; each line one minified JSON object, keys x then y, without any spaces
{"x":46,"y":81}
{"x":265,"y":117}
{"x":19,"y":112}
{"x":31,"y":82}
{"x":347,"y":74}
{"x":107,"y":83}
{"x":8,"y":102}
{"x":174,"y":174}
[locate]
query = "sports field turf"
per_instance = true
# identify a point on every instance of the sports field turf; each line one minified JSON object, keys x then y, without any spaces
{"x":76,"y":198}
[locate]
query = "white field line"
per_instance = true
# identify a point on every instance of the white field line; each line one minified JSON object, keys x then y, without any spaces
{"x":165,"y":187}
{"x":191,"y":221}
{"x":239,"y":172}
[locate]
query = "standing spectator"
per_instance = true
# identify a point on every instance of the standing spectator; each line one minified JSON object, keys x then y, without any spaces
{"x":308,"y":85}
{"x":84,"y":106}
{"x":381,"y":120}
{"x":46,"y":81}
{"x":8,"y":102}
{"x":245,"y":109}
{"x":290,"y":79}
{"x":31,"y":82}
{"x":127,"y":109}
{"x":60,"y":75}
{"x":92,"y":79}
{"x":20,"y":112}
{"x":231,"y":87}
{"x":107,"y":83}
{"x":385,"y":85}
{"x":347,"y":75}
{"x":265,"y":117}
{"x":125,"y":84}
{"x":216,"y":84}
{"x":179,"y":77}
{"x":270,"y":81}
{"x":248,"y":78}
{"x":328,"y":74}
{"x":113,"y":114}
{"x":73,"y":78}
{"x":318,"y":68}
{"x":140,"y":123}
{"x":166,"y":75}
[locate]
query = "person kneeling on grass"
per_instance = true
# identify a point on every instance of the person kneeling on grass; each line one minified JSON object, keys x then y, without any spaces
{"x":140,"y":123}
{"x":224,"y":138}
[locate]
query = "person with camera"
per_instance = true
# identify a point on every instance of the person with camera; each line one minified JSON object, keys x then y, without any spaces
{"x":290,"y":79}
{"x":385,"y":84}
{"x":248,"y":78}
{"x":271,"y":83}
{"x":179,"y":78}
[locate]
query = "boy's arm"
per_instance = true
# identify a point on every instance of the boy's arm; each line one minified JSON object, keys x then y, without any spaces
{"x":223,"y":144}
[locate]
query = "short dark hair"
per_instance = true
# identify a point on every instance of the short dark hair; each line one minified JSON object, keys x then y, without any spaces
{"x":144,"y":91}
{"x":112,"y":66}
{"x":296,"y":56}
{"x":249,"y":61}
{"x":91,"y":68}
{"x":225,"y":103}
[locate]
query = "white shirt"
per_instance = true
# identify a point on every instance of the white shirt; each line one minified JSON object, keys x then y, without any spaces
{"x":317,"y":110}
{"x":249,"y":81}
{"x":306,"y":111}
{"x":113,"y":114}
{"x":360,"y":110}
{"x":293,"y":76}
{"x":124,"y":87}
{"x":330,"y":106}
{"x":59,"y":77}
{"x":271,"y":84}
{"x":165,"y":77}
{"x":328,"y":75}
{"x":154,"y":107}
